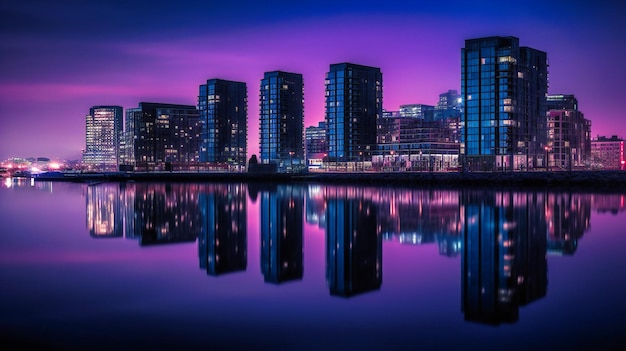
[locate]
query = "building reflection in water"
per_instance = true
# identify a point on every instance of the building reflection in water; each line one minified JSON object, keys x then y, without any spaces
{"x":504,"y":262}
{"x":568,"y":216}
{"x":104,"y":211}
{"x":502,"y":236}
{"x":165,"y":213}
{"x":611,"y":203}
{"x":315,"y":205}
{"x":417,"y":217}
{"x":222,"y":243}
{"x":353,"y":244}
{"x":281,"y":233}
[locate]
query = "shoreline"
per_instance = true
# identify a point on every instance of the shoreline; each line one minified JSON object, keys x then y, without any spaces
{"x":591,"y":180}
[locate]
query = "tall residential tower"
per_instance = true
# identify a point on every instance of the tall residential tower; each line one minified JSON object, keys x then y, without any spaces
{"x":354,"y":102}
{"x":503,"y":87}
{"x":103,"y":135}
{"x":282,"y":120}
{"x":223,"y":107}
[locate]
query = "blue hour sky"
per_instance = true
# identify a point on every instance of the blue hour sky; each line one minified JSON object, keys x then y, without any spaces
{"x":58,"y":58}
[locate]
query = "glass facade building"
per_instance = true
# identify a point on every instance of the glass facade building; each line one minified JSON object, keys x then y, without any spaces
{"x":103,"y":136}
{"x":282,"y":120}
{"x":163,"y":136}
{"x":504,"y":88}
{"x":223,"y":108}
{"x":354,"y":100}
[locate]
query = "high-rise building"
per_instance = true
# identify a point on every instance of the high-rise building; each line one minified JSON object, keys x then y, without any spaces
{"x":282,"y":120}
{"x":223,"y":111}
{"x":354,"y":100}
{"x":163,"y":136}
{"x":608,"y":153}
{"x":504,"y":89}
{"x":103,"y":137}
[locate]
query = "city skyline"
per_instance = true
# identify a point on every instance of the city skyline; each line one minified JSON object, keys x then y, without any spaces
{"x":96,"y":55}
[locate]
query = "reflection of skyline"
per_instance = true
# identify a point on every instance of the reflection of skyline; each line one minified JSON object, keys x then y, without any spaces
{"x":353,"y":244}
{"x":502,"y":237}
{"x":281,"y":233}
{"x":222,"y":244}
{"x":504,"y":262}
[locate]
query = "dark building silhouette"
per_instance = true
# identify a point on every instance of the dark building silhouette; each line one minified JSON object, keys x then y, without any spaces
{"x":282,"y":120}
{"x":353,"y":246}
{"x":162,"y":136}
{"x":281,"y":233}
{"x":222,"y":244}
{"x":504,"y":88}
{"x":223,"y":107}
{"x":354,"y":102}
{"x":504,"y":262}
{"x":104,"y":211}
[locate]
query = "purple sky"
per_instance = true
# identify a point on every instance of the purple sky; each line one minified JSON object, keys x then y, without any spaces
{"x":59,"y":58}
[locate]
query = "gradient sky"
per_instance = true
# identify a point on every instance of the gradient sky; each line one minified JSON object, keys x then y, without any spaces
{"x":59,"y":58}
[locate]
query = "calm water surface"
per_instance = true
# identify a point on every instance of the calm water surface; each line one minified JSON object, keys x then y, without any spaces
{"x":309,"y":267}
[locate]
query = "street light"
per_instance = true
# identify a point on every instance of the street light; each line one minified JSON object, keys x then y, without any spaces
{"x":547,"y":159}
{"x":361,"y":159}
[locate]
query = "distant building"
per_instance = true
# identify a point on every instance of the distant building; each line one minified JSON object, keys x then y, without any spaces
{"x":450,"y":104}
{"x":354,"y":100}
{"x":315,"y":137}
{"x":608,"y":153}
{"x":569,"y":139}
{"x":561,"y":102}
{"x":503,"y":87}
{"x":223,"y":107}
{"x":414,"y":144}
{"x":419,"y":111}
{"x":104,"y":133}
{"x":162,"y":136}
{"x":282,"y":120}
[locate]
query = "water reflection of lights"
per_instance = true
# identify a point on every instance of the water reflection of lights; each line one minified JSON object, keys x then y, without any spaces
{"x":8,"y":182}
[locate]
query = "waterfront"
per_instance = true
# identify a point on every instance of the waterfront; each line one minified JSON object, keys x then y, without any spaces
{"x":309,"y":266}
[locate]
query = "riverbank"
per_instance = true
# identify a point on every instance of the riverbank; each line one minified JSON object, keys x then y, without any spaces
{"x":594,"y":180}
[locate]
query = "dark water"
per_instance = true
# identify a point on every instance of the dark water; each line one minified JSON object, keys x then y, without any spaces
{"x":309,"y":267}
